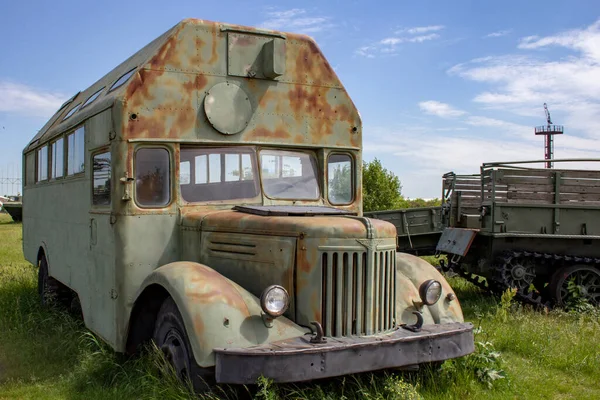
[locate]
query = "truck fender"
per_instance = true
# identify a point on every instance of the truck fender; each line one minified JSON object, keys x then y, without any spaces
{"x":411,"y":272}
{"x":216,"y":311}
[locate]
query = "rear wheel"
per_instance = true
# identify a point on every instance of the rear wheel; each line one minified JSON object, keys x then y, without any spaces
{"x":170,"y":336}
{"x":577,"y":281}
{"x":47,"y":286}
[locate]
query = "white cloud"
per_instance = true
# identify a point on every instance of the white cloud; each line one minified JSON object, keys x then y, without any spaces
{"x":498,"y":34}
{"x":26,"y":100}
{"x":388,"y":45}
{"x":296,"y":20}
{"x":419,"y":156}
{"x":421,"y":29}
{"x":439,"y":109}
{"x":520,"y":84}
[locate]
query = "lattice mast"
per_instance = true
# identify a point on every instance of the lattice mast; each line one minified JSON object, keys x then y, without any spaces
{"x":549,"y":130}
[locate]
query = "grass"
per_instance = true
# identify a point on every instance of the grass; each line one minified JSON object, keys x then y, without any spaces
{"x":524,"y":354}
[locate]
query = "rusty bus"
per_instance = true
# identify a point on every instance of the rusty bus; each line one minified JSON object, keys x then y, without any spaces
{"x":206,"y":195}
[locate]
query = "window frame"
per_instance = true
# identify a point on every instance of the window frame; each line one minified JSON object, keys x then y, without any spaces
{"x":66,"y":166}
{"x":253,"y":153}
{"x":113,"y":87}
{"x":51,"y":158}
{"x":97,"y":93}
{"x":71,"y":112}
{"x":171,"y":178}
{"x":94,"y":153}
{"x":37,"y":164}
{"x":311,"y":154}
{"x":352,"y":177}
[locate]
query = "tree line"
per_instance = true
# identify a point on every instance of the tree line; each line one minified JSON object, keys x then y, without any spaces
{"x":382,"y":190}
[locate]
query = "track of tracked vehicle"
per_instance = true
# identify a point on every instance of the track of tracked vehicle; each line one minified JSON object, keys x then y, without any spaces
{"x":500,"y":281}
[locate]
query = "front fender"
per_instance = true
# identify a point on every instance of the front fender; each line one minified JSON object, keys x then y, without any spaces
{"x":411,"y":272}
{"x":216,"y":311}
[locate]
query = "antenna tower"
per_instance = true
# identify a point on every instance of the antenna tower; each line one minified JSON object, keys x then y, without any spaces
{"x":549,"y":130}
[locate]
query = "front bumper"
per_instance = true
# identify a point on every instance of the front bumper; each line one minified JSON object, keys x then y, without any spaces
{"x":296,"y":359}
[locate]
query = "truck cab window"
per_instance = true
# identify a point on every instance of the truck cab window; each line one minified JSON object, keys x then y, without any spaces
{"x":339,"y":179}
{"x":217,"y":174}
{"x":289,"y":175}
{"x":152,"y":177}
{"x":101,"y":184}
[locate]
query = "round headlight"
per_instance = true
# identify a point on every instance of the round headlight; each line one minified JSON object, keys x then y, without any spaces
{"x":274,"y":300}
{"x":430,"y":291}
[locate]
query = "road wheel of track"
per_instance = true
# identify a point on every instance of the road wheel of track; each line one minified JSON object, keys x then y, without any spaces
{"x":172,"y":339}
{"x":515,"y":272}
{"x":586,"y":280}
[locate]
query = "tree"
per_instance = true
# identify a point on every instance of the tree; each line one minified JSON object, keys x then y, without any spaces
{"x":381,"y":188}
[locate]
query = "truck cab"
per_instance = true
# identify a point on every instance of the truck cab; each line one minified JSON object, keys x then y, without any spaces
{"x":206,"y":194}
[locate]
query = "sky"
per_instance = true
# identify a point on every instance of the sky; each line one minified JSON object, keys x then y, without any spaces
{"x":440,"y":85}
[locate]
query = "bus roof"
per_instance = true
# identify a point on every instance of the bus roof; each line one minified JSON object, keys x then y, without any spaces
{"x":210,"y":81}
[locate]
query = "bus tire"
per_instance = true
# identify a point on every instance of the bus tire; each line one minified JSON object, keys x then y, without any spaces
{"x":171,"y":338}
{"x":48,"y":287}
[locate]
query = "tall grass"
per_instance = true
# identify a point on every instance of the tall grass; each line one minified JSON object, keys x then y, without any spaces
{"x":48,"y":354}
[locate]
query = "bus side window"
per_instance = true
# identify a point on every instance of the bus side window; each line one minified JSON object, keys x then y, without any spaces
{"x":153,"y":177}
{"x":101,"y":185}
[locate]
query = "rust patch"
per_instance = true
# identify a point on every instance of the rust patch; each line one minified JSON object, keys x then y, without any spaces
{"x":213,"y":53}
{"x":197,"y":58}
{"x":143,"y":126}
{"x":206,"y":286}
{"x":278,"y":133}
{"x":166,"y":53}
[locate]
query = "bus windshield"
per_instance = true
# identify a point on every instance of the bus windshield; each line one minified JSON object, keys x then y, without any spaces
{"x":289,"y":175}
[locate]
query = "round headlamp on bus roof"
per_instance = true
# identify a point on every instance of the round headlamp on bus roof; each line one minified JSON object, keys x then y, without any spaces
{"x":430,"y":291}
{"x":274,"y":301}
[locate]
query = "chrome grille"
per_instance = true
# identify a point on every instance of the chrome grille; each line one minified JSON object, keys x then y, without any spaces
{"x":358,"y":293}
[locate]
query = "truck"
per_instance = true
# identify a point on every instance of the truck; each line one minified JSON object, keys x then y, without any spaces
{"x":206,"y":195}
{"x":12,"y":205}
{"x":537,"y":230}
{"x":515,"y":225}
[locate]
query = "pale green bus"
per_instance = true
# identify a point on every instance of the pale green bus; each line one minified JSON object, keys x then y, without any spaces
{"x":206,"y":195}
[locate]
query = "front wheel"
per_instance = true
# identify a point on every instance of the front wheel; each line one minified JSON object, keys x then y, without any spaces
{"x":171,"y":338}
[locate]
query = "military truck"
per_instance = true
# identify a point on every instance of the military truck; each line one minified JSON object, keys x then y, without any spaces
{"x":206,"y":195}
{"x":514,"y":226}
{"x":418,"y":229}
{"x":533,"y":229}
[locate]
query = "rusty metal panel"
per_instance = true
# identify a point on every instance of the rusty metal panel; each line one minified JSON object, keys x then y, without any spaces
{"x":255,"y":56}
{"x":456,"y":240}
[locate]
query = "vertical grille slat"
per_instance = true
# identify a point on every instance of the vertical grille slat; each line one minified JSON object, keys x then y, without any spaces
{"x":392,"y":310}
{"x":386,"y":293}
{"x":358,"y":292}
{"x":360,"y":309}
{"x":348,"y":295}
{"x":382,"y":298}
{"x":339,"y":288}
{"x":329,"y":296}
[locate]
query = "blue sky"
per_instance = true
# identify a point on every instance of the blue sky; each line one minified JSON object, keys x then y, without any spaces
{"x":440,"y":85}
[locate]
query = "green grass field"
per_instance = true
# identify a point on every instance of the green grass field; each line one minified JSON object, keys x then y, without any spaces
{"x":522,"y":354}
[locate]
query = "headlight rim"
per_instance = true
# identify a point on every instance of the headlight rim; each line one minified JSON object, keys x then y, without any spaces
{"x":263,"y":299}
{"x":425,"y":287}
